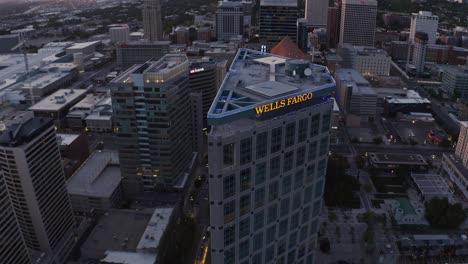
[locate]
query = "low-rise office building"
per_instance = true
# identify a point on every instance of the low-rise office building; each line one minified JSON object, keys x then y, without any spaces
{"x":56,"y":105}
{"x":95,"y":186}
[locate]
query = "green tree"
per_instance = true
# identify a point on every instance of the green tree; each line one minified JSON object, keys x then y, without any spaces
{"x":441,"y":214}
{"x":377,"y":140}
{"x":339,"y":187}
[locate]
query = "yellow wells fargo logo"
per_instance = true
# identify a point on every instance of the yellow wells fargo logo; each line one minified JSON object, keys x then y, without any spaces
{"x":283,"y":103}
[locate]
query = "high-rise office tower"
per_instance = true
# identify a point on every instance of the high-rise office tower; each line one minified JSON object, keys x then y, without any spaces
{"x":302,"y":38}
{"x":424,"y":22}
{"x":333,"y":25}
{"x":151,"y":111}
{"x":267,"y":156}
{"x":12,"y":246}
{"x":152,"y":23}
{"x":357,"y":22}
{"x":229,"y":20}
{"x":202,"y":76}
{"x":277,"y":19}
{"x":316,"y":13}
{"x":419,"y":51}
{"x":32,"y":169}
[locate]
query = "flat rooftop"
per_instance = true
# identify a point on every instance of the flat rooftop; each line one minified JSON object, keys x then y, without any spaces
{"x":117,"y":230}
{"x":123,"y":257}
{"x":431,"y":184}
{"x":292,"y":3}
{"x":12,"y":65}
{"x":67,"y":139}
{"x":154,"y":231}
{"x":350,"y":75}
{"x":98,"y":176}
{"x":58,"y":100}
{"x":457,"y":163}
{"x":256,"y":79}
{"x":396,"y":159}
{"x":408,"y":101}
{"x":84,"y":45}
{"x":42,"y":80}
{"x":22,"y":130}
{"x":162,"y":70}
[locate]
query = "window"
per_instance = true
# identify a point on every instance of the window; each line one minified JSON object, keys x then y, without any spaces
{"x":259,"y":197}
{"x":244,"y":179}
{"x":305,"y":214}
{"x":245,"y":153}
{"x":262,"y":141}
{"x":260,"y":173}
{"x":325,"y":122}
{"x":288,"y":161}
{"x":298,"y":178}
{"x":259,"y":220}
{"x":269,"y":253}
{"x":303,"y":233}
{"x":287,"y":181}
{"x":271,"y":234}
{"x":300,"y":156}
{"x":301,"y":251}
{"x":284,"y":207}
{"x":292,"y":240}
{"x":310,"y":173}
{"x":274,"y":167}
{"x":294,"y":221}
{"x":244,"y":204}
{"x":314,"y":125}
{"x":291,"y":256}
{"x":276,"y":139}
{"x":258,"y":241}
{"x":244,"y":227}
{"x":312,"y":151}
{"x":281,"y":247}
{"x":297,"y":200}
{"x":272,"y":213}
{"x":321,"y":168}
{"x":273,"y":191}
{"x":283,"y":227}
{"x":257,"y":259}
{"x":323,"y":146}
{"x":229,"y":211}
{"x":229,"y":186}
{"x":316,"y":208}
{"x":228,"y":154}
{"x":290,"y":134}
{"x":244,"y":249}
{"x":229,"y":256}
{"x":318,"y":189}
{"x":229,"y":235}
{"x":308,"y":195}
{"x":313,"y":227}
{"x":302,"y":133}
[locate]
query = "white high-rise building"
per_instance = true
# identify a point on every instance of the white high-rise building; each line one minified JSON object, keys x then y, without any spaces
{"x":358,"y":20}
{"x":13,"y":248}
{"x":419,"y":51}
{"x":32,"y":169}
{"x":316,"y":13}
{"x":152,"y":22}
{"x":119,"y":33}
{"x":462,"y":144}
{"x":267,"y":155}
{"x":424,"y":22}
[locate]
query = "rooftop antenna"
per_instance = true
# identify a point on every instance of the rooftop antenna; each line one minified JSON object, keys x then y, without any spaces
{"x":22,"y":47}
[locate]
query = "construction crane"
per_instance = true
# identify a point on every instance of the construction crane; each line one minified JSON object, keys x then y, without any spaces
{"x":22,"y":48}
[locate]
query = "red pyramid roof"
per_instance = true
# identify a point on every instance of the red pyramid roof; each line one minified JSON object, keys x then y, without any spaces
{"x":287,"y":48}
